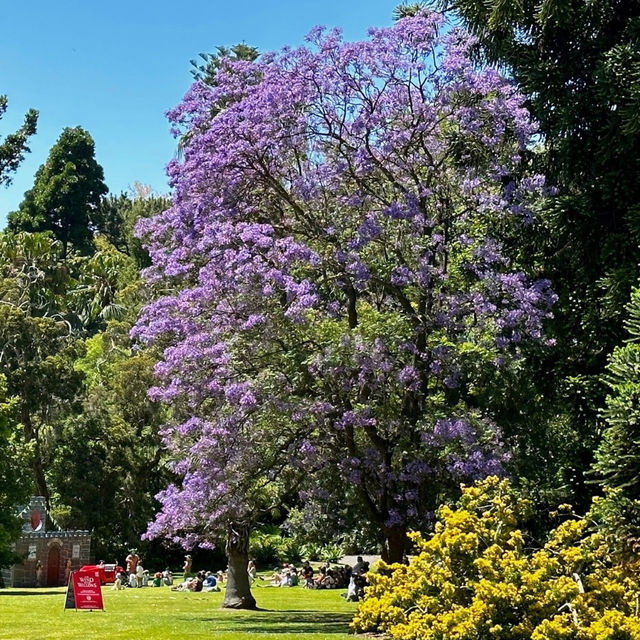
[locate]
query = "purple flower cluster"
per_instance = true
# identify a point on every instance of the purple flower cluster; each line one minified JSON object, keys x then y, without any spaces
{"x":328,"y":258}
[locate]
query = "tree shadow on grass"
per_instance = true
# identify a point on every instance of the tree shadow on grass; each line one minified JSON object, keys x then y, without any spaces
{"x":289,"y":621}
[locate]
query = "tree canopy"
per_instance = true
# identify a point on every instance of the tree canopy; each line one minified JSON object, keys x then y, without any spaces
{"x":578,"y":65}
{"x":66,"y":193}
{"x":14,"y":146}
{"x":338,"y":280}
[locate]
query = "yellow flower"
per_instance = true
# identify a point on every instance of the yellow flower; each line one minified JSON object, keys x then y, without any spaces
{"x":474,"y":579}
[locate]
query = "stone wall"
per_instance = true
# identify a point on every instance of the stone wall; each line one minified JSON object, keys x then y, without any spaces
{"x":72,"y":546}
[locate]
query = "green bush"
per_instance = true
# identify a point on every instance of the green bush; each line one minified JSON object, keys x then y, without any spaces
{"x":475,"y":579}
{"x":268,"y":546}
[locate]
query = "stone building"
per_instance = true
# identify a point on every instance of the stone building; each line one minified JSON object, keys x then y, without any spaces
{"x":49,"y":553}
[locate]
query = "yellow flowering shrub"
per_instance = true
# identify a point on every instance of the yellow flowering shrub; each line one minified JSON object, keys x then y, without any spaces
{"x":474,"y":578}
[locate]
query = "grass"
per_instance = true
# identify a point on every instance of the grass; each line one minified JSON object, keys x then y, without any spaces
{"x":161,"y":614}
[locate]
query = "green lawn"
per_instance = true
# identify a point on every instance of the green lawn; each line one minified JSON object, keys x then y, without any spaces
{"x":162,"y":614}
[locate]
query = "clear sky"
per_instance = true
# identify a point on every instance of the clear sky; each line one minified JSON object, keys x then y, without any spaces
{"x":114,"y":67}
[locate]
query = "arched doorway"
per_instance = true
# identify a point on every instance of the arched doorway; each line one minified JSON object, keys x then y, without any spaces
{"x":53,"y":566}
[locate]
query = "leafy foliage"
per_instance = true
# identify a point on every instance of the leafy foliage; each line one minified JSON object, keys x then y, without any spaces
{"x":14,"y":146}
{"x":118,"y":216}
{"x":108,"y":463}
{"x":336,"y":287}
{"x":37,"y":342}
{"x":477,"y":578}
{"x":268,"y":546}
{"x":206,"y":68}
{"x":13,"y":490}
{"x":66,"y":193}
{"x":578,"y":65}
{"x":618,"y":457}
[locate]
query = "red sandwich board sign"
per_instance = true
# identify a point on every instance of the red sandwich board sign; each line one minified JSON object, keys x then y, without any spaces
{"x":83,"y":591}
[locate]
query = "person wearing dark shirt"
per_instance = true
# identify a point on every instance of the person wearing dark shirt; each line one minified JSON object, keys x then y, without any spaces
{"x":360,"y":567}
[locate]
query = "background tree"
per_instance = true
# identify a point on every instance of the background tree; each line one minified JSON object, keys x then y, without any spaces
{"x":78,"y":393}
{"x":108,"y":467}
{"x":338,"y":284}
{"x":118,"y":216}
{"x":14,"y":146}
{"x":66,"y":194}
{"x":618,"y":457}
{"x":578,"y":64}
{"x":206,"y":68}
{"x":37,"y":343}
{"x":14,"y":490}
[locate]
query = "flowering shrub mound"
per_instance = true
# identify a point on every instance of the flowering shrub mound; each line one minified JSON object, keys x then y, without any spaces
{"x":474,"y":578}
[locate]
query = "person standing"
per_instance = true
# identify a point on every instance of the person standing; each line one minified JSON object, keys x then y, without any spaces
{"x":252,"y":570}
{"x":186,"y":568}
{"x":132,"y":567}
{"x":67,"y":570}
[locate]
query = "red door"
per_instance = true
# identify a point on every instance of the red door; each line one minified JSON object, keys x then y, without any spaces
{"x":53,"y":566}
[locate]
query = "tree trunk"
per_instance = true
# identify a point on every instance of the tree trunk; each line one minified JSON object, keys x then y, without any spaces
{"x":30,"y":436}
{"x":238,"y":591}
{"x":394,"y":544}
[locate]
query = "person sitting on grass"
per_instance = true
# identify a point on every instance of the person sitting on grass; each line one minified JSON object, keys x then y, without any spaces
{"x":292,"y":579}
{"x":343,"y":576}
{"x":317,"y":581}
{"x":286,"y":577}
{"x":196,"y":584}
{"x":190,"y":584}
{"x":157,"y":579}
{"x":120,"y":582}
{"x":328,"y":580}
{"x":183,"y":586}
{"x":276,"y":578}
{"x":167,"y":577}
{"x":210,"y":582}
{"x":307,"y":573}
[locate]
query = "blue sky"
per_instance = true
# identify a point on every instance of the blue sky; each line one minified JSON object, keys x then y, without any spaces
{"x":114,"y":67}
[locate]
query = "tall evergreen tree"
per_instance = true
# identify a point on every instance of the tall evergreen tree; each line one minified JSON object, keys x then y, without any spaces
{"x":578,"y":63}
{"x":66,"y":193}
{"x":206,"y":68}
{"x":618,"y":457}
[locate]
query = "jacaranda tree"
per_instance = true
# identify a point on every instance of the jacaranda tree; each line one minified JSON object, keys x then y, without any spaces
{"x":336,"y":285}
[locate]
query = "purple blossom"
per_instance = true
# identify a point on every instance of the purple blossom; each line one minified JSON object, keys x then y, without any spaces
{"x":330,"y":275}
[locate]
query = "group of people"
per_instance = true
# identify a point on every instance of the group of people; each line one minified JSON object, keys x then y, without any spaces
{"x":326,"y":577}
{"x":201,"y":581}
{"x":135,"y":575}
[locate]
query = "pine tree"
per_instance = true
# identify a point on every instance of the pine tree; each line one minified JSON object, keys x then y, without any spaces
{"x":66,"y":193}
{"x":618,"y":458}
